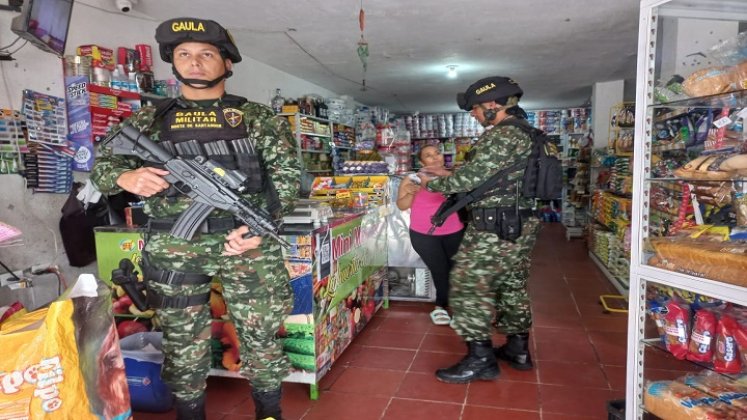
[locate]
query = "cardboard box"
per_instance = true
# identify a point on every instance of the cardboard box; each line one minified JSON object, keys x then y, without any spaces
{"x":100,"y":56}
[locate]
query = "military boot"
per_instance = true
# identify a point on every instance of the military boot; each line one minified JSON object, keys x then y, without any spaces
{"x":479,"y":363}
{"x":267,"y":404}
{"x":190,"y":409}
{"x":516,"y":352}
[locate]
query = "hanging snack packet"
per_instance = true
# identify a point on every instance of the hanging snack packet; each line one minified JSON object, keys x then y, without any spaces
{"x":726,"y":358}
{"x":677,"y":329}
{"x":701,"y":340}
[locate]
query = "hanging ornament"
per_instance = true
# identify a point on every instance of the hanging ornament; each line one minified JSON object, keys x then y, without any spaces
{"x":363,"y":45}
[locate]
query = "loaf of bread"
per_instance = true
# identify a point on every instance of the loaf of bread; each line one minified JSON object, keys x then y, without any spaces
{"x":675,"y":400}
{"x":722,"y":261}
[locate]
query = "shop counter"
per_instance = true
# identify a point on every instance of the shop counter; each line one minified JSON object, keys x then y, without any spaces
{"x":338,"y":273}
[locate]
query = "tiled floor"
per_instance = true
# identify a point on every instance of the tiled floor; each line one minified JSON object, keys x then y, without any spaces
{"x":387,"y":373}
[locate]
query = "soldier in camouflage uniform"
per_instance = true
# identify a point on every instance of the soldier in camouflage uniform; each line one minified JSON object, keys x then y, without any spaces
{"x":178,"y":272}
{"x":490,"y":273}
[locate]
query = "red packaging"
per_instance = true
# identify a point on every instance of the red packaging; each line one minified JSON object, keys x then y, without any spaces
{"x":100,"y":56}
{"x":146,"y":56}
{"x":741,"y":337}
{"x":726,"y":358}
{"x":677,"y":329}
{"x":702,"y":337}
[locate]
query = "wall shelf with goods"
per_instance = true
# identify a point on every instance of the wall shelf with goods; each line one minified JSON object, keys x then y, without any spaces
{"x":689,"y":218}
{"x":314,"y":142}
{"x":611,"y":200}
{"x":453,"y":132}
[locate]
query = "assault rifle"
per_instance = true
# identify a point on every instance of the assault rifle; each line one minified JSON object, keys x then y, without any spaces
{"x":205,"y":181}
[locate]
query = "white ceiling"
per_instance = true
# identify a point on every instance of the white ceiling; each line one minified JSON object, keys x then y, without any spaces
{"x":555,"y":49}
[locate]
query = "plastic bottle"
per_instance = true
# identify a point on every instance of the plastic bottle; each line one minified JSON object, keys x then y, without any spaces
{"x":172,"y":88}
{"x":277,"y":102}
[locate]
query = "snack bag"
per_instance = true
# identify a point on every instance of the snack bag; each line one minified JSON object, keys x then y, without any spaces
{"x":63,"y":361}
{"x":741,"y":336}
{"x":677,"y":329}
{"x":701,"y":339}
{"x":726,"y":358}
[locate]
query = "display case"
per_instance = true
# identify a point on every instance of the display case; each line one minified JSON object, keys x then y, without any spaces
{"x":689,"y":214}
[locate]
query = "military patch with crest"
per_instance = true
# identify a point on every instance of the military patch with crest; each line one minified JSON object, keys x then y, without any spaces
{"x":233,"y":116}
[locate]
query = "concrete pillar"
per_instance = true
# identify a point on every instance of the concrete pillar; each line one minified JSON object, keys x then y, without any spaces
{"x":603,"y":96}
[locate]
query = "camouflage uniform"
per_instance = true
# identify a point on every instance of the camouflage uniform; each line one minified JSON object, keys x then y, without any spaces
{"x":490,"y":274}
{"x":255,"y":284}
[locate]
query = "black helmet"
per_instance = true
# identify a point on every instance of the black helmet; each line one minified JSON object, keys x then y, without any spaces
{"x":173,"y":32}
{"x":488,"y":89}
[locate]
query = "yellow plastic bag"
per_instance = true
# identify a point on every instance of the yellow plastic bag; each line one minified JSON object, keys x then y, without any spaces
{"x":64,"y":361}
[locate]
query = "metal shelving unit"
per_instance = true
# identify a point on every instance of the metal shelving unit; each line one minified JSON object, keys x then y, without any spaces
{"x":663,"y":30}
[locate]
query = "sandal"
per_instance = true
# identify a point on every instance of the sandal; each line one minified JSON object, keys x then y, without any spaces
{"x":439,"y":316}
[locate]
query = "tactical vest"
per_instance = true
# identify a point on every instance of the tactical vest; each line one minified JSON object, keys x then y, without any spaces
{"x":218,"y":133}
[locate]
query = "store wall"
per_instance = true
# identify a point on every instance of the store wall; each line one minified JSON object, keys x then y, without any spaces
{"x":38,"y":214}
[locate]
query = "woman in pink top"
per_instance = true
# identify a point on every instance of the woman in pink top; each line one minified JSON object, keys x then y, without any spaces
{"x":437,"y":249}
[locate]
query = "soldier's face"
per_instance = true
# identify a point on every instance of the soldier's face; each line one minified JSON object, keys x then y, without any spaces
{"x":197,"y":60}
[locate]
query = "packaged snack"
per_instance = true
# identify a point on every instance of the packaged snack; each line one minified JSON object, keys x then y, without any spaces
{"x":701,"y":340}
{"x":677,"y":329}
{"x":726,"y":358}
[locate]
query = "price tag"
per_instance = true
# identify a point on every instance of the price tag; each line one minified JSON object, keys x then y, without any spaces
{"x":722,"y":122}
{"x":343,"y":194}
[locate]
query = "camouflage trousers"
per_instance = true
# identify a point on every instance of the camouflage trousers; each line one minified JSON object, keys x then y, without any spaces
{"x":258,"y":295}
{"x":489,"y":281}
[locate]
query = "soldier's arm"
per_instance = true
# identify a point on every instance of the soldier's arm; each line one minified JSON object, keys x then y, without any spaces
{"x":494,"y":152}
{"x":108,"y":167}
{"x":281,"y":159}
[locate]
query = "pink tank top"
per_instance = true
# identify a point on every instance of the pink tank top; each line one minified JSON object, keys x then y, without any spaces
{"x":424,"y":205}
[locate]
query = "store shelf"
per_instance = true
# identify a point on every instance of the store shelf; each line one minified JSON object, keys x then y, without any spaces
{"x":620,"y":285}
{"x":715,"y":289}
{"x":736,"y":99}
{"x":303,"y":116}
{"x":303,"y":133}
{"x":655,"y":343}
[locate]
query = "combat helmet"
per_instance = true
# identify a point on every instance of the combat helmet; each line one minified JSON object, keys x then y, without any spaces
{"x":173,"y":32}
{"x":496,"y":88}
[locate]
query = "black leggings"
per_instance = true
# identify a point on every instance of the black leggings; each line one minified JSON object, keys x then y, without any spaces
{"x":437,"y":253}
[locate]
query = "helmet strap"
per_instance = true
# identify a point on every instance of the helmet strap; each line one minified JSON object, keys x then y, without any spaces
{"x":491,"y":113}
{"x":198,"y":83}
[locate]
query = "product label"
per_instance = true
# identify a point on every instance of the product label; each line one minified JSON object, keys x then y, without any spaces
{"x":722,"y":122}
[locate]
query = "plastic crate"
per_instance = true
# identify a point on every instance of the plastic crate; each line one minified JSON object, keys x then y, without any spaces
{"x":616,"y":410}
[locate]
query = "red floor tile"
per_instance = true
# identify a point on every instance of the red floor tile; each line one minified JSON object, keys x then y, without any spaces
{"x":580,"y":375}
{"x":576,"y":348}
{"x":557,"y":321}
{"x":365,"y":381}
{"x":570,"y":400}
{"x":616,"y":376}
{"x":342,"y":405}
{"x":425,"y":386}
{"x":374,"y":357}
{"x":400,"y":409}
{"x":555,"y":416}
{"x":392,"y":339}
{"x":609,"y":322}
{"x":504,"y":394}
{"x":482,"y":413}
{"x":451,"y":343}
{"x":610,"y":346}
{"x":418,"y":324}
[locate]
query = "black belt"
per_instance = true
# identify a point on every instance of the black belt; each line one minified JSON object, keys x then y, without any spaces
{"x":176,"y":302}
{"x":175,"y":278}
{"x":210,"y":225}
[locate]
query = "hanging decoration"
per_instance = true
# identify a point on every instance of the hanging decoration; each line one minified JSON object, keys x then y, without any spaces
{"x":363,"y":45}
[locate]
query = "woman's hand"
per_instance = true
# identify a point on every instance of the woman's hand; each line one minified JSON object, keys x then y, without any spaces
{"x":237,"y":245}
{"x":409,"y":186}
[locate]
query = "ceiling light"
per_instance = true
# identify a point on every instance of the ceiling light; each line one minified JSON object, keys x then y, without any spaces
{"x":452,"y":73}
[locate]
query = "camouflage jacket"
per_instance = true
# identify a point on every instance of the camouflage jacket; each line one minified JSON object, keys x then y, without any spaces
{"x":274,"y":141}
{"x":496,"y":149}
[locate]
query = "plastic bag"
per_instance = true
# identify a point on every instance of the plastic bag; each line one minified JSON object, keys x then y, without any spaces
{"x":63,"y":361}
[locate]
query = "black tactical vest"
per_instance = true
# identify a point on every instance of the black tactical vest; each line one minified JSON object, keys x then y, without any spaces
{"x":218,"y":133}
